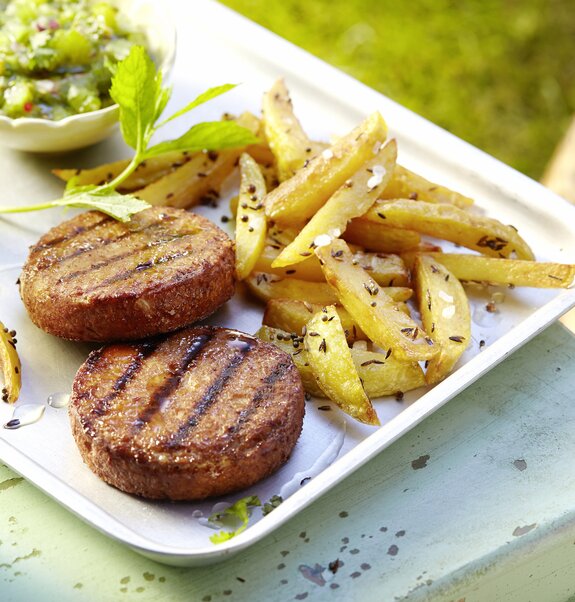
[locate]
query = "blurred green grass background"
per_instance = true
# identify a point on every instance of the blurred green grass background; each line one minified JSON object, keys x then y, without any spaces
{"x":498,"y":73}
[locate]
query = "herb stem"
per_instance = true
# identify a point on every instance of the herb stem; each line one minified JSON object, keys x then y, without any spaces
{"x":128,"y":171}
{"x":26,"y":208}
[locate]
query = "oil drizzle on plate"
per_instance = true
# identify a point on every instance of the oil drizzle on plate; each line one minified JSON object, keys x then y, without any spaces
{"x":58,"y":400}
{"x":29,"y":413}
{"x":324,"y":460}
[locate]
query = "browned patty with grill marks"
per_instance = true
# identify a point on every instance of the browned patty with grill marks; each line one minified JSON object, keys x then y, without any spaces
{"x":201,"y":412}
{"x":93,"y":278}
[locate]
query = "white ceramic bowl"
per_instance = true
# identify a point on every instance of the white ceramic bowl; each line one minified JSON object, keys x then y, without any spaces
{"x":77,"y":131}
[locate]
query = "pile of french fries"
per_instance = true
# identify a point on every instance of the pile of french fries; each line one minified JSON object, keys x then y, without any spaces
{"x":330,"y":238}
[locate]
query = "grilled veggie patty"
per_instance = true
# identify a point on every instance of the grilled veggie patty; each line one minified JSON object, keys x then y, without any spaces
{"x":93,"y":278}
{"x":204,"y":411}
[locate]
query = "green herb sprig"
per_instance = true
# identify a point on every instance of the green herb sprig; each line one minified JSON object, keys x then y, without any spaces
{"x":239,"y":512}
{"x":138,"y":91}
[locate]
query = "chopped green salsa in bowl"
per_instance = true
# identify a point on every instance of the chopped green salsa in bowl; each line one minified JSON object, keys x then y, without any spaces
{"x":56,"y":63}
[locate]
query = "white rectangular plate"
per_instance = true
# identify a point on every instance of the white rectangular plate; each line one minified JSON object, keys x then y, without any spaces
{"x":215,"y":46}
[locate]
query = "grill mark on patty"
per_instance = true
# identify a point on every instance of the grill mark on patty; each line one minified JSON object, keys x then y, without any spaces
{"x":210,"y":395}
{"x":127,"y":274}
{"x":93,"y":359}
{"x":135,"y":365}
{"x":97,"y":244}
{"x":102,"y":264}
{"x":70,"y":235}
{"x":171,"y":384}
{"x":270,"y":380}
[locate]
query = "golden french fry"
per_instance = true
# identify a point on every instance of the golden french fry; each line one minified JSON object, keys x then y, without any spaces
{"x":332,"y":365}
{"x":371,"y":308}
{"x":267,"y":286}
{"x":299,"y":197}
{"x":483,"y":234}
{"x":287,"y":139}
{"x":380,"y":238}
{"x":507,"y":271}
{"x":292,"y":315}
{"x":406,"y":184}
{"x":386,"y":376}
{"x":444,"y":313}
{"x":381,"y":375}
{"x":353,"y":199}
{"x":269,"y":172}
{"x":199,"y":178}
{"x":147,"y":172}
{"x":280,"y":236}
{"x":385,"y":269}
{"x":10,"y":365}
{"x":293,"y":345}
{"x":251,"y":221}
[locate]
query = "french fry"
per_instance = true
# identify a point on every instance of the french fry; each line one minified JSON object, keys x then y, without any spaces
{"x":444,"y":313}
{"x":483,"y":234}
{"x":147,"y":172}
{"x":292,"y":316}
{"x":286,"y":138}
{"x":371,"y":308}
{"x":202,"y":176}
{"x":507,"y":271}
{"x":379,"y":237}
{"x":281,"y":236}
{"x":406,"y":184}
{"x":199,"y":178}
{"x":267,"y":286}
{"x":332,"y":365}
{"x":381,"y":376}
{"x":353,"y":199}
{"x":293,"y":345}
{"x":385,"y":269}
{"x":250,"y":222}
{"x":10,"y":365}
{"x":299,"y":197}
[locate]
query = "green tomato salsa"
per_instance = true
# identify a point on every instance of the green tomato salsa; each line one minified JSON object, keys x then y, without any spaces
{"x":57,"y":56}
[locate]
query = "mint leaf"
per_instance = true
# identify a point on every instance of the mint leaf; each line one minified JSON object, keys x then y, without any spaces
{"x":201,"y":99}
{"x":137,"y":88}
{"x":239,"y":512}
{"x":161,"y":102}
{"x":112,"y":203}
{"x":116,"y":205}
{"x":222,"y":536}
{"x":210,"y":135}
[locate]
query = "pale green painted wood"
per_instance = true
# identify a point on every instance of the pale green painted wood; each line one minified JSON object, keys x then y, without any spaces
{"x":458,"y":513}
